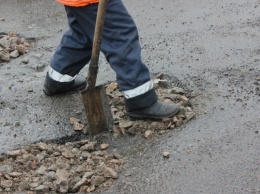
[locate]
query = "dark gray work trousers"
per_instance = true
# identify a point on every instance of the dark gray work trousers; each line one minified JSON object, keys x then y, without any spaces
{"x":120,"y":45}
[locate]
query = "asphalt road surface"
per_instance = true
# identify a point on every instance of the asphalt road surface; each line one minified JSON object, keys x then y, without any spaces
{"x":212,"y":47}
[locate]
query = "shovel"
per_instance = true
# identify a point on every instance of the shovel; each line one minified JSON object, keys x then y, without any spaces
{"x":98,"y":112}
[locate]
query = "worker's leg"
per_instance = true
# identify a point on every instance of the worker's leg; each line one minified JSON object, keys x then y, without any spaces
{"x":72,"y":54}
{"x":122,"y":49}
{"x":120,"y":44}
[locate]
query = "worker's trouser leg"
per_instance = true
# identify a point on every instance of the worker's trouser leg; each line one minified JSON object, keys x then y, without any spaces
{"x":120,"y":45}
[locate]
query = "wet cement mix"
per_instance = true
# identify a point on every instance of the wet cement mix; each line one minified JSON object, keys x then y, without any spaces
{"x":86,"y":165}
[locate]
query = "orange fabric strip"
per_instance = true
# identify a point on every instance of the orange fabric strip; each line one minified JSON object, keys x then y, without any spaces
{"x":77,"y":3}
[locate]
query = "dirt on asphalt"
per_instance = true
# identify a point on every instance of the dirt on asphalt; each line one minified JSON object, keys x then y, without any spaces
{"x":208,"y":48}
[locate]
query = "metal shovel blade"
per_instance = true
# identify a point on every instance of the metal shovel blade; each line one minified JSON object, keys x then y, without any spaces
{"x":97,"y":110}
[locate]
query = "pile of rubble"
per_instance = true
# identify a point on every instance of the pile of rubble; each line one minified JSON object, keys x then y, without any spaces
{"x":123,"y":124}
{"x":12,"y":46}
{"x":81,"y":166}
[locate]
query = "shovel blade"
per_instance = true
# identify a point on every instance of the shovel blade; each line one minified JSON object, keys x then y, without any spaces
{"x":97,"y":110}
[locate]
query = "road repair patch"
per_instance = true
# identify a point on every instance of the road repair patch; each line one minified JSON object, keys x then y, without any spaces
{"x":84,"y":166}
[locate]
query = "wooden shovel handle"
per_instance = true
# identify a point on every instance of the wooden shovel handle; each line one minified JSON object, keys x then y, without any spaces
{"x":93,"y":67}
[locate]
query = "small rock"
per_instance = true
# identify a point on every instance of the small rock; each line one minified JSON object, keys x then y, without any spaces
{"x":28,"y":156}
{"x":78,"y":126}
{"x":62,"y":183}
{"x":83,"y":142}
{"x":5,"y":42}
{"x":97,"y":180}
{"x":104,"y":146}
{"x":162,"y":132}
{"x":51,"y":174}
{"x":33,"y":165}
{"x":21,"y":49}
{"x":56,"y":154}
{"x":68,"y":154}
{"x":63,"y":165}
{"x":166,"y":154}
{"x":122,"y":131}
{"x":168,"y":100}
{"x":83,"y":189}
{"x":110,"y":173}
{"x":120,"y":114}
{"x":84,"y":155}
{"x":111,"y":87}
{"x":25,"y":60}
{"x":177,"y":90}
{"x":257,"y":78}
{"x":189,"y":109}
{"x":126,"y":124}
{"x":179,"y":122}
{"x":88,"y":175}
{"x":48,"y":185}
{"x":36,"y":179}
{"x":175,"y":119}
{"x":6,"y":169}
{"x":14,"y":54}
{"x":185,"y":100}
{"x":41,"y":188}
{"x":148,"y":134}
{"x":6,"y":183}
{"x":12,"y":34}
{"x":83,"y":182}
{"x":14,"y":153}
{"x":15,"y":174}
{"x":40,"y":157}
{"x":90,"y":188}
{"x":88,"y":147}
{"x":2,"y":19}
{"x":41,"y":170}
{"x":61,"y":186}
{"x":74,"y":120}
{"x":42,"y":146}
{"x":189,"y":116}
{"x":172,"y":127}
{"x":5,"y":57}
{"x":34,"y":185}
{"x":115,"y":161}
{"x":62,"y":174}
{"x":26,"y":44}
{"x":117,"y":156}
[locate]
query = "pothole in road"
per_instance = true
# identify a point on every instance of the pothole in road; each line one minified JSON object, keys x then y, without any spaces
{"x":73,"y":164}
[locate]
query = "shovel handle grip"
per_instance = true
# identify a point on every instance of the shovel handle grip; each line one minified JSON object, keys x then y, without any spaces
{"x":93,"y":67}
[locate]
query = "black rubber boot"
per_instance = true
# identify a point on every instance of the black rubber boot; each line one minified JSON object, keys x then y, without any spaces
{"x":52,"y":87}
{"x":158,"y":110}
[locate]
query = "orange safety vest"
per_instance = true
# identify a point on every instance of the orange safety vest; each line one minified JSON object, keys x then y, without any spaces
{"x":77,"y":3}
